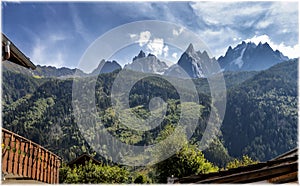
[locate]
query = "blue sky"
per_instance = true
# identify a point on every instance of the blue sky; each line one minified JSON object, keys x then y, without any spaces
{"x":58,"y":33}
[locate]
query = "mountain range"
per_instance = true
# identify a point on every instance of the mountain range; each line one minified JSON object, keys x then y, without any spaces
{"x":249,"y":56}
{"x":147,"y":64}
{"x":260,"y":119}
{"x":191,"y":64}
{"x":261,"y":110}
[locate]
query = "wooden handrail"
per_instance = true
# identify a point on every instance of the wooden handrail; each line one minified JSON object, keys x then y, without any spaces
{"x":25,"y":158}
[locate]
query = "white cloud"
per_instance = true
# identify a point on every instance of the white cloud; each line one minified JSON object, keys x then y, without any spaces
{"x":177,"y":32}
{"x":174,"y":55}
{"x":79,"y":24}
{"x":225,"y":13}
{"x":217,"y":41}
{"x":230,"y":13}
{"x":156,"y":46}
{"x":224,"y":23}
{"x":290,"y":51}
{"x":144,"y":38}
{"x":132,"y":36}
{"x":45,"y":52}
{"x":256,"y":39}
{"x":236,"y":39}
{"x":57,"y":37}
{"x":263,"y":24}
{"x":165,"y":51}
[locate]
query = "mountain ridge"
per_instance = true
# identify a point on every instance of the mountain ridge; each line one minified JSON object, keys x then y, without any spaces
{"x":147,"y":64}
{"x":249,"y":56}
{"x":191,"y":64}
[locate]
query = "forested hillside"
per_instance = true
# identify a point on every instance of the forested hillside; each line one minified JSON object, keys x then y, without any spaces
{"x":261,"y":114}
{"x":260,"y":120}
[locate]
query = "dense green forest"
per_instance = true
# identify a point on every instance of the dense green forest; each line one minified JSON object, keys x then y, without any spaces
{"x":261,"y":115}
{"x":260,"y":120}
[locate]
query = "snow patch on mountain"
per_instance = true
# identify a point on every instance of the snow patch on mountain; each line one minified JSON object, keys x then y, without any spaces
{"x":239,"y":61}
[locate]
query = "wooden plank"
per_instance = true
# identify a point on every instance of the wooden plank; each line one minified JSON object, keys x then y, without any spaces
{"x":11,"y":155}
{"x":37,"y":168}
{"x":5,"y":154}
{"x":46,"y":161}
{"x":26,"y":158}
{"x":34,"y":166}
{"x":52,"y":169}
{"x":285,"y":178}
{"x":55,"y":171}
{"x":41,"y":164}
{"x":31,"y":160}
{"x":49,"y":168}
{"x":254,"y":176}
{"x":39,"y":172}
{"x":3,"y":161}
{"x":42,"y":158}
{"x":22,"y":157}
{"x":16,"y":157}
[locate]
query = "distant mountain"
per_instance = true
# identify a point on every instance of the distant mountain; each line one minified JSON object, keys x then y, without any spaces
{"x":42,"y":71}
{"x":194,"y":63}
{"x":106,"y":67}
{"x":64,"y":72}
{"x":249,"y":56}
{"x":147,"y":64}
{"x":49,"y":71}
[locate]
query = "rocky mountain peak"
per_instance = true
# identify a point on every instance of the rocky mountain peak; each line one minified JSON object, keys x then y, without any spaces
{"x":190,"y":49}
{"x":194,"y":63}
{"x":106,"y":67}
{"x":249,"y":56}
{"x":140,"y":55}
{"x":149,"y":64}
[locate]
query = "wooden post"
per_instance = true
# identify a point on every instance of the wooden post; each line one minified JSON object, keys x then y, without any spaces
{"x":26,"y":159}
{"x":5,"y":154}
{"x":16,"y":156}
{"x":22,"y":157}
{"x":38,"y":163}
{"x":34,"y":162}
{"x":11,"y":154}
{"x":30,"y":160}
{"x":58,"y":165}
{"x":42,"y":158}
{"x":45,"y":167}
{"x":54,"y":171}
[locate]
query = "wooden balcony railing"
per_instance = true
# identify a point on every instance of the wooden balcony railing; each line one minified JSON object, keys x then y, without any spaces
{"x":27,"y":159}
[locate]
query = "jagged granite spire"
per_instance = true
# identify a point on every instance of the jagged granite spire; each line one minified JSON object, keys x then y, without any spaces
{"x":140,"y":55}
{"x":190,"y":49}
{"x":249,"y":57}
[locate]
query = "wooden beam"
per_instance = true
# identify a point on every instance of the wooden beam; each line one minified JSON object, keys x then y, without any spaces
{"x":254,"y":176}
{"x":16,"y":55}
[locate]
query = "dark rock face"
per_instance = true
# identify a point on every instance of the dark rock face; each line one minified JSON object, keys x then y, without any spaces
{"x":194,"y":64}
{"x":106,"y":67}
{"x":249,"y":56}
